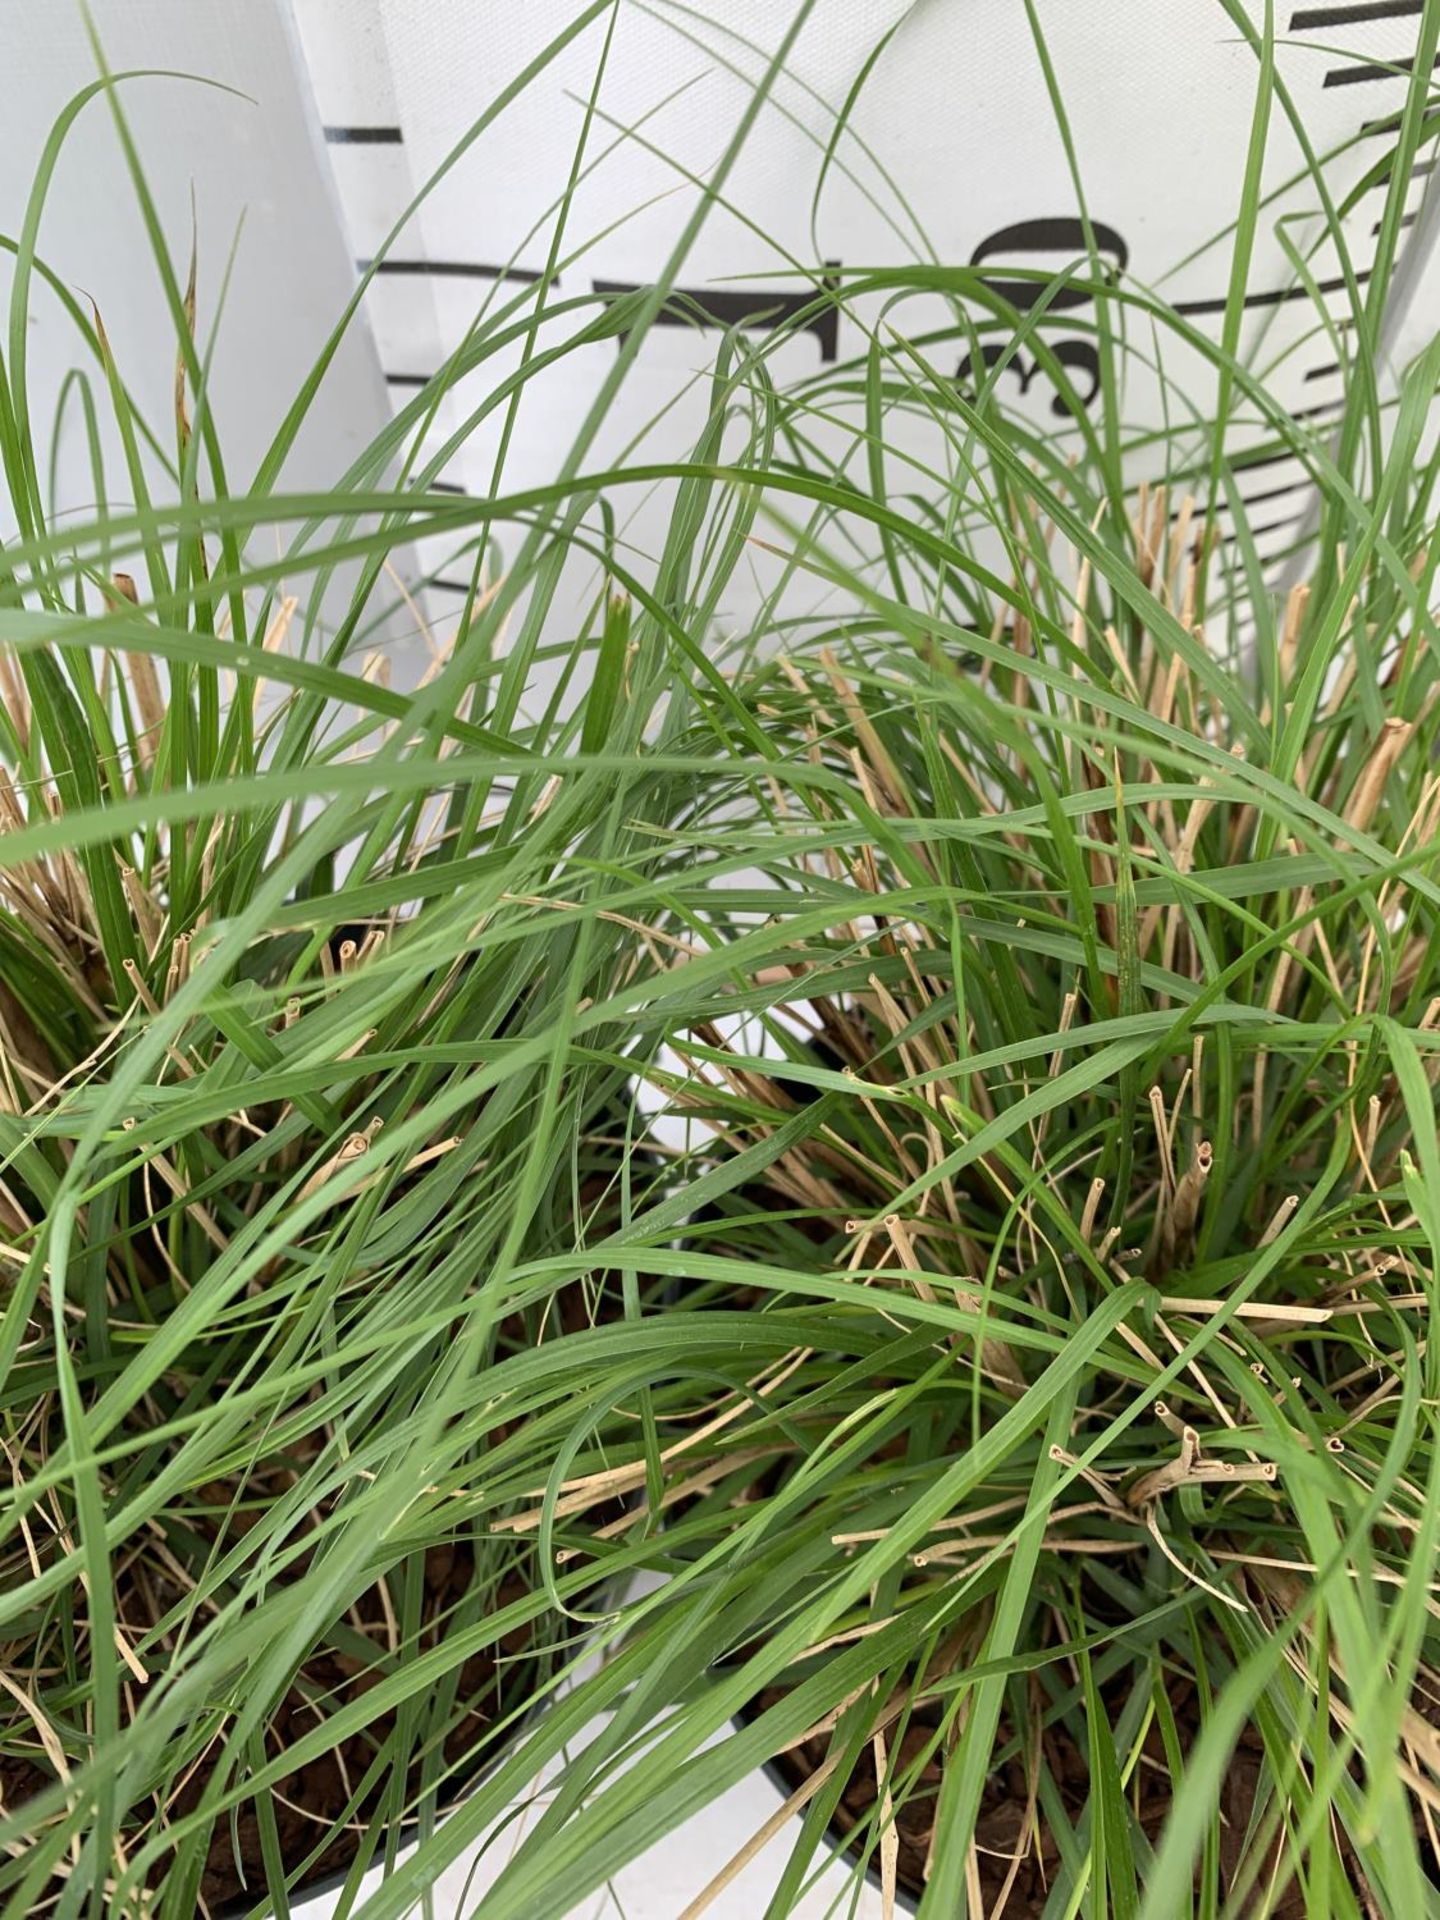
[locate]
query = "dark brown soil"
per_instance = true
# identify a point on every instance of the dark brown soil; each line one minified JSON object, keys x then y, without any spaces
{"x":1008,"y":1825}
{"x":310,"y":1801}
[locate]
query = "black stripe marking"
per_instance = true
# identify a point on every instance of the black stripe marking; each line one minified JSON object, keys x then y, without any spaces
{"x":1249,"y":500}
{"x":452,"y":586}
{"x":1406,"y":220}
{"x":1266,"y":460}
{"x":1312,"y":413}
{"x":730,"y":307}
{"x":1237,"y":534}
{"x":1323,"y":373}
{"x":453,"y":270}
{"x":1363,"y":75}
{"x":448,"y":486}
{"x":364,"y":136}
{"x":1309,"y":18}
{"x":1276,"y":297}
{"x":1421,"y":170}
{"x":1275,"y":493}
{"x":407,"y":379}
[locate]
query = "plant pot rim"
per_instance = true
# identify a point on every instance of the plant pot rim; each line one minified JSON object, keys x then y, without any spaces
{"x":538,"y":1705}
{"x":299,"y":1899}
{"x":905,"y":1900}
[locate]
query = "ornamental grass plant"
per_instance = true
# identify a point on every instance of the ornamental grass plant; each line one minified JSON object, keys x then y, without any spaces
{"x":863,"y":1143}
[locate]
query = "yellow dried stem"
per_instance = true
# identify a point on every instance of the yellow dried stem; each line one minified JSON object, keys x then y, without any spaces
{"x":1280,"y":1218}
{"x":49,"y":1739}
{"x":178,"y":972}
{"x":1092,"y":1208}
{"x":148,"y":917}
{"x":675,"y":1492}
{"x":1290,"y":632}
{"x":148,"y":1001}
{"x":1366,"y":793}
{"x":904,"y":1248}
{"x":1186,"y":1204}
{"x":355,"y":1145}
{"x":1162,"y":704}
{"x":1177,"y":555}
{"x":1112,"y":640}
{"x":149,"y":704}
{"x":881,"y":765}
{"x":1174,"y":1473}
{"x":200,"y":1214}
{"x":1161,"y":1124}
{"x":591,"y":1488}
{"x":1270,"y":1312}
{"x":1205,"y":544}
{"x":15,"y":695}
{"x":1068,"y":1008}
{"x":1109,"y":1501}
{"x":889,"y":1833}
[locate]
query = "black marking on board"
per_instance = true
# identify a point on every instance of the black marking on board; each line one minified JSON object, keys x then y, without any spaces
{"x":732,"y":307}
{"x":454,"y":270}
{"x":1239,"y":467}
{"x":1069,"y":239}
{"x":1237,"y":535}
{"x":1314,"y":413}
{"x":1079,"y":356}
{"x":1230,"y":542}
{"x":1274,"y":297}
{"x":452,"y":586}
{"x":1310,"y":18}
{"x":449,"y":486}
{"x":1406,"y":220}
{"x":364,"y":136}
{"x":1063,"y":235}
{"x":408,"y":379}
{"x":1248,"y":500}
{"x":1421,"y":170}
{"x":1368,"y":72}
{"x":1277,"y":493}
{"x":1323,"y":373}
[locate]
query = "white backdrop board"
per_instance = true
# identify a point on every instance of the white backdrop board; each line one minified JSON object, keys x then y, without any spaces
{"x":951,"y":153}
{"x":249,"y":161}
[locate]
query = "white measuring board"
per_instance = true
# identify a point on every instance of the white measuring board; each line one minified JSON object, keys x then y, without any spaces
{"x":237,"y":164}
{"x":951,"y":155}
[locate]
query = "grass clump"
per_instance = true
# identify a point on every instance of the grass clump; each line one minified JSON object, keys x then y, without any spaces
{"x":1104,"y":1109}
{"x":1064,"y":1166}
{"x":1061,"y":1209}
{"x":1019,"y":1378}
{"x":315,"y":988}
{"x":279,"y":1120}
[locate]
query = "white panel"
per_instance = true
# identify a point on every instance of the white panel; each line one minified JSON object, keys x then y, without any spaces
{"x":262,"y":189}
{"x":952,"y":143}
